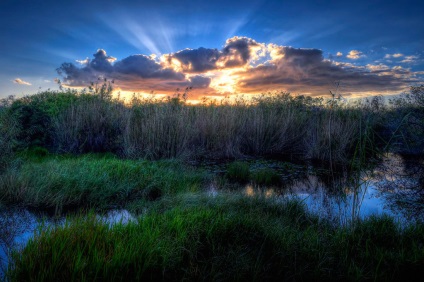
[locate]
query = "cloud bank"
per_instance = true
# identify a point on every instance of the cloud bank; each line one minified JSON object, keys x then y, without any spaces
{"x":241,"y":66}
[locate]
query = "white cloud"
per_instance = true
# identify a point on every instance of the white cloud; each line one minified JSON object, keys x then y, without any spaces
{"x":355,"y":54}
{"x":20,"y":81}
{"x":339,"y":54}
{"x":396,"y":55}
{"x":409,"y":59}
{"x":377,"y":68}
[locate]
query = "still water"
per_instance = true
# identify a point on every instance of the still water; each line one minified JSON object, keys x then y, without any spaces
{"x":395,"y":187}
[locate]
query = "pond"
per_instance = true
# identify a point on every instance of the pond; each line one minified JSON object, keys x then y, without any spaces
{"x":395,"y":187}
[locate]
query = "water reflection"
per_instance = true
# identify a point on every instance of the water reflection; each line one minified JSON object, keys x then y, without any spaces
{"x":16,"y":227}
{"x":394,"y":188}
{"x":253,"y":190}
{"x":402,"y":186}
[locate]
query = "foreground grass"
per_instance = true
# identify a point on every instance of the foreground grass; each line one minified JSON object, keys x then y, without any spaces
{"x":93,"y":181}
{"x":224,"y":238}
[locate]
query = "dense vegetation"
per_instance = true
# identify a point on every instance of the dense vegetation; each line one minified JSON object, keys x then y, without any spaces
{"x":80,"y":151}
{"x":270,"y":125}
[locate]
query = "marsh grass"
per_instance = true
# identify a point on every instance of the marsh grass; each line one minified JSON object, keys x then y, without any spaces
{"x":274,"y":125}
{"x":94,"y":181}
{"x":225,"y":238}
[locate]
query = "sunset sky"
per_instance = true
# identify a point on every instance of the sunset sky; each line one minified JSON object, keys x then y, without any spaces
{"x":216,"y":47}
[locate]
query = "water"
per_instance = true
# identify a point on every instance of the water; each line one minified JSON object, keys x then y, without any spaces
{"x":395,"y":188}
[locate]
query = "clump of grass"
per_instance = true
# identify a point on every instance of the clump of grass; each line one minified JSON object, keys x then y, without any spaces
{"x":225,"y":238}
{"x":97,"y":181}
{"x":266,"y":176}
{"x":238,"y":172}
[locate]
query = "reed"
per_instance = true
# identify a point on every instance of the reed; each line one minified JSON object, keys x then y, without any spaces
{"x":277,"y":125}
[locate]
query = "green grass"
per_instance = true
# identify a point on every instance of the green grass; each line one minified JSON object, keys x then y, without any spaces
{"x":94,"y":181}
{"x":238,"y":171}
{"x":225,"y":238}
{"x":266,"y":176}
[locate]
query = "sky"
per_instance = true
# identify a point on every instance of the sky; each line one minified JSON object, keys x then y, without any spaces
{"x":218,"y":48}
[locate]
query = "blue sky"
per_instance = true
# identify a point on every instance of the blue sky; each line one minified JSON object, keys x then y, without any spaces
{"x":218,"y":47}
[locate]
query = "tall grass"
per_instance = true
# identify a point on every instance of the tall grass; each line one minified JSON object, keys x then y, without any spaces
{"x":269,"y":125}
{"x":278,"y":125}
{"x":225,"y":238}
{"x":90,"y":124}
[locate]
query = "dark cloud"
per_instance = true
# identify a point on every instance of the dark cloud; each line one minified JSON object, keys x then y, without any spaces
{"x":135,"y":73}
{"x":236,"y":52}
{"x":102,"y":62}
{"x":145,"y":67}
{"x":300,"y":57}
{"x":196,"y":60}
{"x":75,"y":76}
{"x":306,"y":71}
{"x":199,"y":81}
